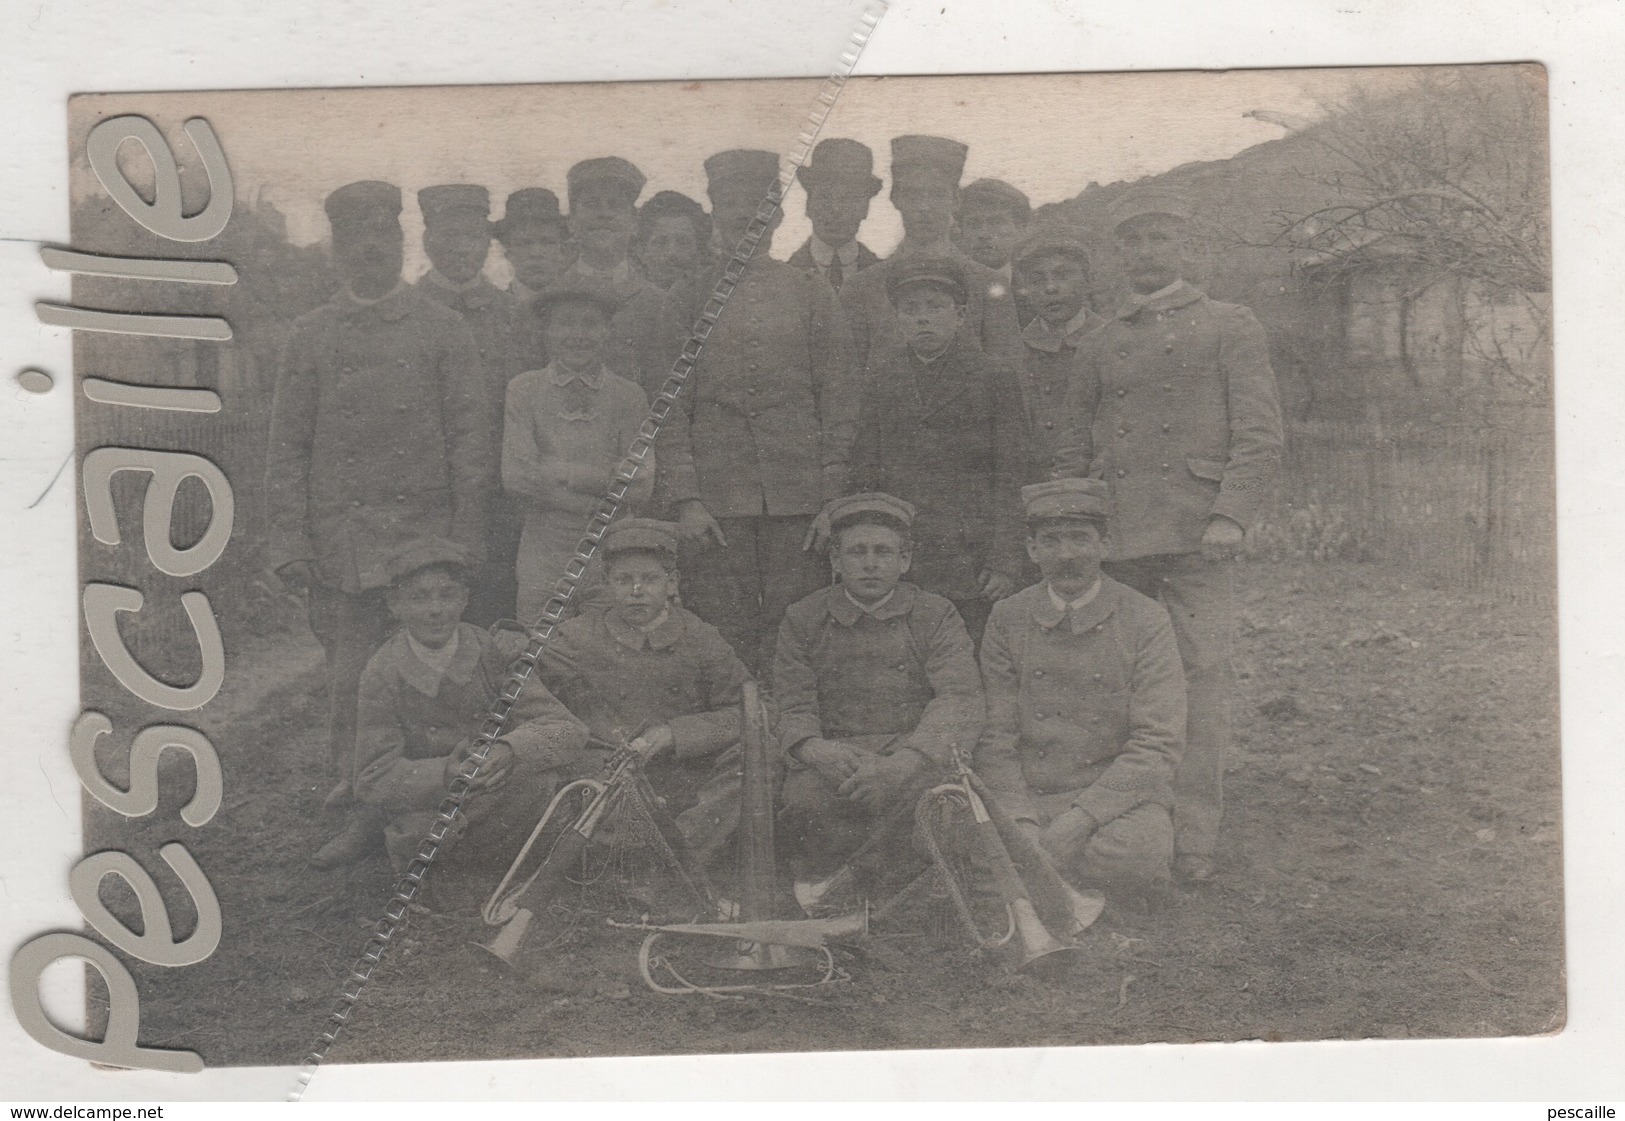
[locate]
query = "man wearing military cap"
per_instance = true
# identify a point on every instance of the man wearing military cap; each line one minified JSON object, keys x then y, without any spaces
{"x":1052,"y":280}
{"x":673,"y":238}
{"x":380,"y":433}
{"x":1085,"y":702}
{"x":941,"y":425}
{"x":992,"y":217}
{"x":457,"y":241}
{"x":641,"y":670}
{"x":603,"y":195}
{"x":764,"y":428}
{"x":1173,"y":404}
{"x":877,"y":686}
{"x":422,"y":697}
{"x":925,"y":173}
{"x":840,"y":182}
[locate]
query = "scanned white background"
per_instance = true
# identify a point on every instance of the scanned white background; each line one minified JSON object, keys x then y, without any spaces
{"x":48,"y":51}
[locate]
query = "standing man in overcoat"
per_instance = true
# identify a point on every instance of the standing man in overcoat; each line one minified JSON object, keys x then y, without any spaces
{"x":457,"y":241}
{"x":380,"y":434}
{"x":925,"y":173}
{"x":764,"y":428}
{"x":840,"y":182}
{"x":1173,"y":404}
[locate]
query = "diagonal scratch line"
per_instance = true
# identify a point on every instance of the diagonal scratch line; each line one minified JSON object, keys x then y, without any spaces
{"x":67,"y":459}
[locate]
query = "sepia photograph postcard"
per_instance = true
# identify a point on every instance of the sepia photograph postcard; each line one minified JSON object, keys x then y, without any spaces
{"x":851,"y":563}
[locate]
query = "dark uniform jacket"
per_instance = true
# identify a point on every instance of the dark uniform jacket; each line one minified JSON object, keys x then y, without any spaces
{"x":990,"y":310}
{"x":490,"y":314}
{"x":409,"y":719}
{"x":950,"y":439}
{"x":1173,"y":404}
{"x":1090,"y":700}
{"x":1048,"y":356}
{"x":621,"y":680}
{"x":766,"y":421}
{"x":904,"y":676}
{"x":381,"y":433}
{"x":803,"y":259}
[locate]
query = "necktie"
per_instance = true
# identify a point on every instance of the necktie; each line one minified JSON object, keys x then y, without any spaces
{"x":833,"y":274}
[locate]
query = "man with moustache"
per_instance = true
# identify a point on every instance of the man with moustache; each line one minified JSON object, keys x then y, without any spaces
{"x":925,"y":174}
{"x":840,"y":183}
{"x":457,"y":241}
{"x":760,"y":439}
{"x":1085,"y":703}
{"x":1173,"y":404}
{"x":380,"y":435}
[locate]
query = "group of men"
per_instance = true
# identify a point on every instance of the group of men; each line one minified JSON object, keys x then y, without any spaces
{"x":936,"y":503}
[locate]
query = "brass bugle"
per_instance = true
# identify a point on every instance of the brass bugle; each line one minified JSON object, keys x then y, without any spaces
{"x":1061,"y":906}
{"x":812,"y":934}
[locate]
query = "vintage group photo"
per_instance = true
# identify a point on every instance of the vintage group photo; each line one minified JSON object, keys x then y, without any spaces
{"x":1083,"y":573}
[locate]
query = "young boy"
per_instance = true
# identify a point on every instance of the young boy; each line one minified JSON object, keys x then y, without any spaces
{"x":876,"y":684}
{"x":567,"y":426}
{"x":991,"y":218}
{"x":1085,"y":702}
{"x":941,"y":427}
{"x":536,"y":242}
{"x":643,"y":671}
{"x":1052,"y":282}
{"x":423,"y":697}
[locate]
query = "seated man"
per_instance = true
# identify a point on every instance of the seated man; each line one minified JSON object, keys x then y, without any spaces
{"x":876,"y":684}
{"x":423,"y":697}
{"x":1085,"y":702}
{"x":642,"y":671}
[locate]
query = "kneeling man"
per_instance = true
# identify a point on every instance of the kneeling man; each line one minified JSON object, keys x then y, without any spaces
{"x":876,"y":685}
{"x":423,"y":697}
{"x":1085,"y":702}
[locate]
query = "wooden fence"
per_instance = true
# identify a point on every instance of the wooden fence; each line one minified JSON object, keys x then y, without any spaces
{"x":1469,"y":508}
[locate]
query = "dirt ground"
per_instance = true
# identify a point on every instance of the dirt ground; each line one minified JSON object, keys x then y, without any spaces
{"x":1391,"y":867}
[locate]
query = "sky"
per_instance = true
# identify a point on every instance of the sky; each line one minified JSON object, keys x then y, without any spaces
{"x":1050,"y":135}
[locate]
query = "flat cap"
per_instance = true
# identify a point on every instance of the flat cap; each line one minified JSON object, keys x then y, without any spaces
{"x":935,"y":154}
{"x":1149,"y":200}
{"x":742,"y":169}
{"x":606,"y":169}
{"x":529,"y":206}
{"x":576,"y":291}
{"x":448,"y":199}
{"x":369,"y":198}
{"x":421,"y":553}
{"x":640,"y":533}
{"x":871,"y":502}
{"x":940,"y":272}
{"x":839,"y":160}
{"x":995,"y":194}
{"x":1066,"y":498}
{"x":1050,"y":241}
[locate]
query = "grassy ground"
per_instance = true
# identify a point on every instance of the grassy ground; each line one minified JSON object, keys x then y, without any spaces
{"x":1391,"y":867}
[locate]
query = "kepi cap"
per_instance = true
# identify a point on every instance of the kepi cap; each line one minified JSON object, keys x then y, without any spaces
{"x":645,"y":534}
{"x":451,"y":199}
{"x":369,"y":199}
{"x":528,"y":206}
{"x":839,"y":160}
{"x":932,"y":154}
{"x":941,"y":272}
{"x":995,"y":193}
{"x":1050,"y":241}
{"x":1066,"y":498}
{"x":421,"y":553}
{"x":606,"y":169}
{"x":1149,"y":200}
{"x":742,"y":169}
{"x":870,"y":502}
